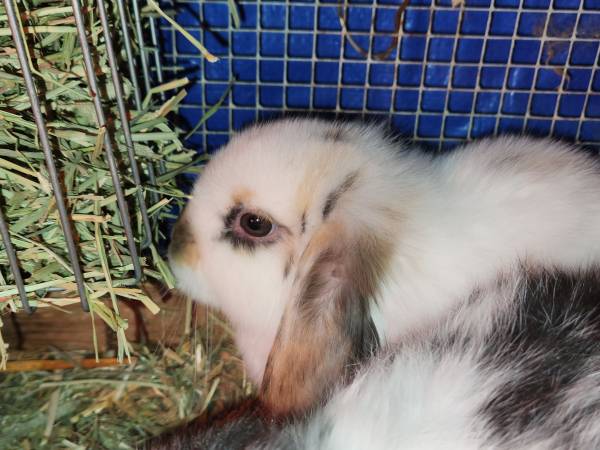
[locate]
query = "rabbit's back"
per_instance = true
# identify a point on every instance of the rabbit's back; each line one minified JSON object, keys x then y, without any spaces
{"x":516,"y":367}
{"x":374,"y":243}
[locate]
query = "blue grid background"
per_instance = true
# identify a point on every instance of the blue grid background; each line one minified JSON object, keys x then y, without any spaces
{"x":457,"y":73}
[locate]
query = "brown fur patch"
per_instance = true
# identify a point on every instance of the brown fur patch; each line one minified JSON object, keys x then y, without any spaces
{"x":183,"y":247}
{"x":304,"y":196}
{"x":335,"y":195}
{"x":321,"y":240}
{"x":303,"y":223}
{"x":295,"y":382}
{"x":335,"y":134}
{"x":313,"y":178}
{"x":242,"y":196}
{"x":326,"y":328}
{"x":288,"y":267}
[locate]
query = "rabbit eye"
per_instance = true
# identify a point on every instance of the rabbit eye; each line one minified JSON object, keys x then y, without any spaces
{"x":247,"y":229}
{"x":255,"y":226}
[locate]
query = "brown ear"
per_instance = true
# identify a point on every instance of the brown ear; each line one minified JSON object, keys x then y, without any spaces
{"x":326,"y":328}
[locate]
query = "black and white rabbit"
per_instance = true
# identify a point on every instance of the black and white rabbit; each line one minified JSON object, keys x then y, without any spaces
{"x":516,"y":365}
{"x":322,"y":241}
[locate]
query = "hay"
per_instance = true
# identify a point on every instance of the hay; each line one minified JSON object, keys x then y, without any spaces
{"x":25,"y":191}
{"x":119,"y":407}
{"x":379,"y":56}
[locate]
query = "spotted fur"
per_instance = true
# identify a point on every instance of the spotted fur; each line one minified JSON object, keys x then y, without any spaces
{"x":391,"y":254}
{"x":517,"y":366}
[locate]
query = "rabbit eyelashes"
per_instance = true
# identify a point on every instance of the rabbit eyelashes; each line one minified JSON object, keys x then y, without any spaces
{"x":322,"y":241}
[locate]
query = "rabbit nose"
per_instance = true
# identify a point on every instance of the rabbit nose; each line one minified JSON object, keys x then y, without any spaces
{"x":183,"y":248}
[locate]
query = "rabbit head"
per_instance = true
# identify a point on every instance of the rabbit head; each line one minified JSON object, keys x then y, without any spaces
{"x":288,"y":232}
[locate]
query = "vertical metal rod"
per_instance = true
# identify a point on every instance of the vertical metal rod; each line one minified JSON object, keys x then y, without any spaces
{"x":157,"y":63}
{"x":137,"y":96}
{"x":45,"y":142}
{"x":12,"y":261}
{"x":159,"y":74}
{"x":146,"y":72}
{"x":140,"y":40}
{"x":112,"y":61}
{"x":110,"y":157}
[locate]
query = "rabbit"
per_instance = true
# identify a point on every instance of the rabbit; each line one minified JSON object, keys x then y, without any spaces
{"x":515,"y":366}
{"x":325,"y":242}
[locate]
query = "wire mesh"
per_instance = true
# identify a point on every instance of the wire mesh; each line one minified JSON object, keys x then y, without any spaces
{"x":457,"y":72}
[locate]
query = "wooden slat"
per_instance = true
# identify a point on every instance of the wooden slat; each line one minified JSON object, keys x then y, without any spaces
{"x":50,"y":328}
{"x":59,"y":364}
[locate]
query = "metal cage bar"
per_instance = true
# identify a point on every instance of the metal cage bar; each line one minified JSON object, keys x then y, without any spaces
{"x":45,"y":143}
{"x":13,"y":262}
{"x":137,"y":95}
{"x":156,"y":52}
{"x":112,"y":163}
{"x":140,"y":40}
{"x":112,"y":60}
{"x":144,"y":58}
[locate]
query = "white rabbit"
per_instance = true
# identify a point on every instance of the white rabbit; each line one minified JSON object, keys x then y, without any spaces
{"x":527,"y":378}
{"x":320,"y":241}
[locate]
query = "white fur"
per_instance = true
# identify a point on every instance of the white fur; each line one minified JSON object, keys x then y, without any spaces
{"x":483,"y":378}
{"x":417,"y":403}
{"x":431,"y":392}
{"x":456,"y":221}
{"x":422,"y":399}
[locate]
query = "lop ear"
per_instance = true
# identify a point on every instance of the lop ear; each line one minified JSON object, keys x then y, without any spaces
{"x":326,"y":329}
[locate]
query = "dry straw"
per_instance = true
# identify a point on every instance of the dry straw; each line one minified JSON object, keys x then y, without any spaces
{"x":118,"y":407}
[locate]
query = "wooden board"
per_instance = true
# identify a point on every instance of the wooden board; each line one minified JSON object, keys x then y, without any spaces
{"x":50,"y":328}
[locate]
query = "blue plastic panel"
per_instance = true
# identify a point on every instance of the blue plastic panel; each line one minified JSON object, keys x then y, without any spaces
{"x":488,"y":67}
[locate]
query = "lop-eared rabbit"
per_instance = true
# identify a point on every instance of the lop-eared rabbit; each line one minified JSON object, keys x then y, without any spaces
{"x":383,"y":297}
